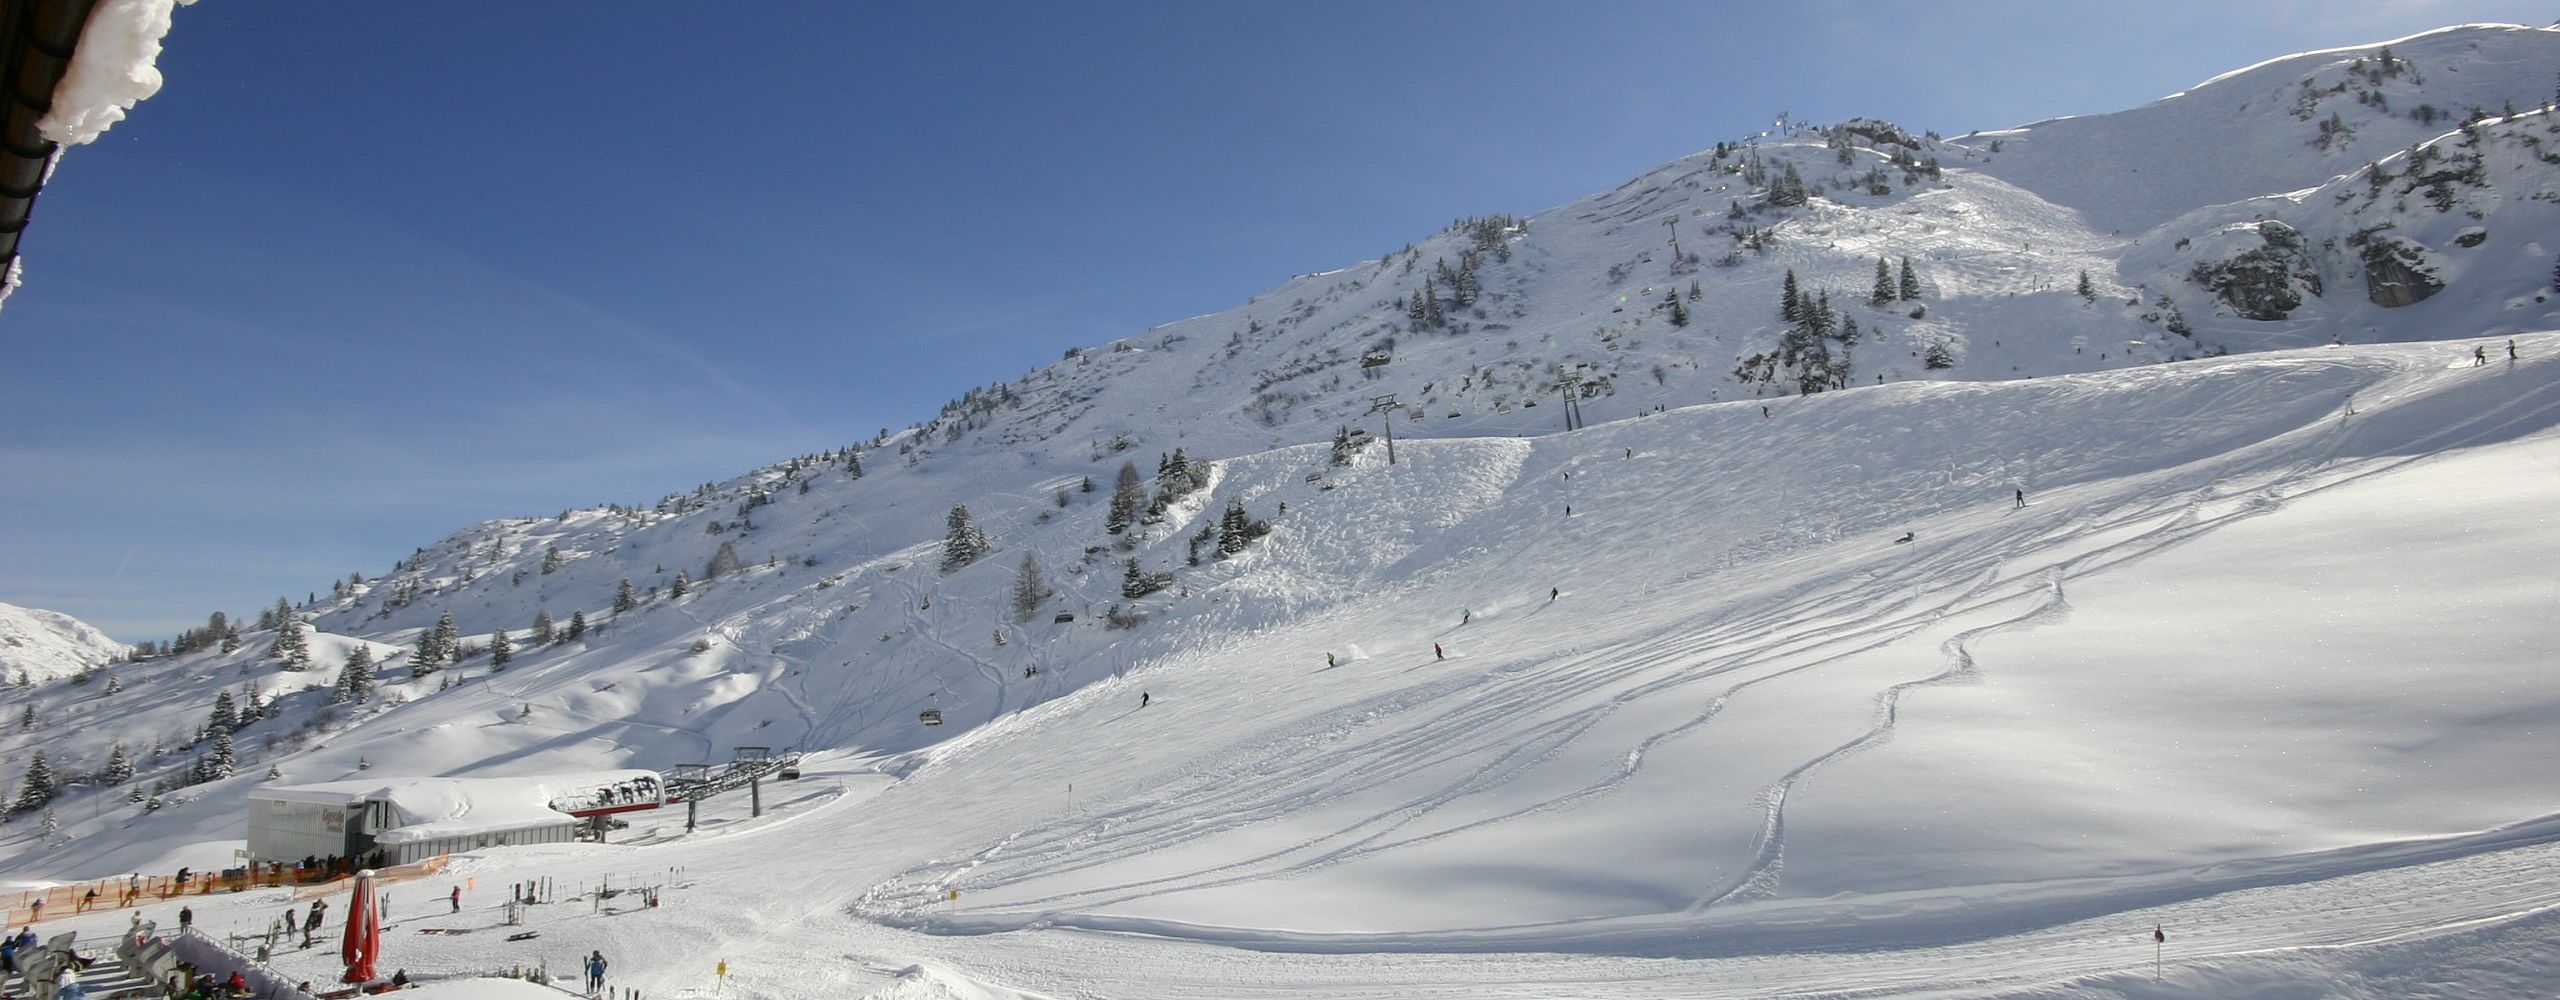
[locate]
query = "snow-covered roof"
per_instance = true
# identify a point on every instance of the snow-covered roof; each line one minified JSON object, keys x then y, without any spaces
{"x":425,"y":808}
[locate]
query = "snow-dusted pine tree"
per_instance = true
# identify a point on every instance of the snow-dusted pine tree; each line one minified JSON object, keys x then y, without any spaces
{"x":501,"y":650}
{"x":38,"y":787}
{"x":963,"y":543}
{"x":119,"y":767}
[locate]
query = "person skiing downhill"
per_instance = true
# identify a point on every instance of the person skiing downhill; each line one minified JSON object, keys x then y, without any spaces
{"x":2022,"y":497}
{"x":1436,"y":653}
{"x":2479,"y":356}
{"x":1143,"y":698}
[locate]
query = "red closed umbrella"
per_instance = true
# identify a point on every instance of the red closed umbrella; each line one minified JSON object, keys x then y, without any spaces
{"x":364,"y":932}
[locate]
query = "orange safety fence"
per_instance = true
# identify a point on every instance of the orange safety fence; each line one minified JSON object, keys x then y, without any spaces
{"x":113,"y":893}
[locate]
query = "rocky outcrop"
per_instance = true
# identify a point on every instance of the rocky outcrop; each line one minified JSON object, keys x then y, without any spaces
{"x":2396,"y":272}
{"x":2265,"y":283}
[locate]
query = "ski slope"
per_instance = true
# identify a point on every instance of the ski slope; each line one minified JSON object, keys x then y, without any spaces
{"x":2245,"y":665}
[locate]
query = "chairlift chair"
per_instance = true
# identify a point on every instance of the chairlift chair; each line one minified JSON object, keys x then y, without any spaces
{"x":930,"y":716}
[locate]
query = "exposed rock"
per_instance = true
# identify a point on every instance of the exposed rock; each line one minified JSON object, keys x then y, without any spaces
{"x":2262,"y":284}
{"x":2396,"y":272}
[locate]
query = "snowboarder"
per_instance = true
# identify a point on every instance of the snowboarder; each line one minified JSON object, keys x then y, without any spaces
{"x":1466,"y":615}
{"x":2479,"y":356}
{"x":595,"y":972}
{"x":1764,"y":413}
{"x":2511,"y":348}
{"x":457,"y":899}
{"x":2022,"y":497}
{"x":1436,"y":653}
{"x":1552,"y":594}
{"x":1143,"y":698}
{"x":1328,"y":660}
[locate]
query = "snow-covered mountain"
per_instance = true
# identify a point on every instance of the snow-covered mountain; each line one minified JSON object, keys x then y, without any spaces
{"x":44,"y":645}
{"x":1663,"y":685}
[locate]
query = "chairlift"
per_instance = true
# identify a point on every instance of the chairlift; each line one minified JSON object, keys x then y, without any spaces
{"x":1064,"y":617}
{"x":1031,"y":671}
{"x":930,"y":716}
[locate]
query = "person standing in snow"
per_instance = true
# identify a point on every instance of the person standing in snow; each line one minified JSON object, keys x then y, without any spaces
{"x":186,"y":918}
{"x":595,"y":972}
{"x":2511,"y":348}
{"x":2022,"y":497}
{"x":457,"y":899}
{"x":1436,"y":653}
{"x":1143,"y":698}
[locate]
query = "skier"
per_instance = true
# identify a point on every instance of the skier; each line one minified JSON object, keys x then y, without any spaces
{"x":1764,"y":413}
{"x":457,"y":899}
{"x":2511,"y":348}
{"x":1328,"y":660}
{"x":2022,"y":497}
{"x":1436,"y":653}
{"x":595,"y":972}
{"x":1143,"y":698}
{"x":1466,"y":616}
{"x":89,"y":900}
{"x":2479,"y":356}
{"x":1552,"y":593}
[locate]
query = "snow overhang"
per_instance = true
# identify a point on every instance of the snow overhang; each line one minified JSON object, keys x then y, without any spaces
{"x":37,"y":39}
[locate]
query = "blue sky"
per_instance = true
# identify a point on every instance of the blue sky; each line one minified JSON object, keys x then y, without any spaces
{"x":364,"y":274}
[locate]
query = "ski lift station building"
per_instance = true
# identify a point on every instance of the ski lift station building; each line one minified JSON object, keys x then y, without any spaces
{"x":412,"y":819}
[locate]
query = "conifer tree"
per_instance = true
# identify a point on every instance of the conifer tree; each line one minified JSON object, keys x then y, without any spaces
{"x":448,"y":639}
{"x":292,"y":650}
{"x":624,"y":599}
{"x":501,"y":650}
{"x":723,"y":562}
{"x":1233,"y":528}
{"x":2088,"y":292}
{"x":37,"y":789}
{"x":49,"y":826}
{"x":1679,"y":311}
{"x":1884,"y":290}
{"x":119,"y":767}
{"x":543,"y":628}
{"x":1909,"y":287}
{"x":226,"y":716}
{"x":1788,"y":295}
{"x":357,"y":678}
{"x":550,"y":560}
{"x":964,"y":543}
{"x":224,"y":761}
{"x":1342,"y":449}
{"x":27,"y":717}
{"x":852,"y":464}
{"x":1127,"y":495}
{"x":231,"y":638}
{"x":577,"y":626}
{"x":682,"y":586}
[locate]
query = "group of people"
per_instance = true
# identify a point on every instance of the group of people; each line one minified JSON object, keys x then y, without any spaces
{"x":640,"y":789}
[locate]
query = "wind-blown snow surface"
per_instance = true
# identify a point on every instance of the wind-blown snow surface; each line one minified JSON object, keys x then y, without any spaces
{"x":2246,"y":665}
